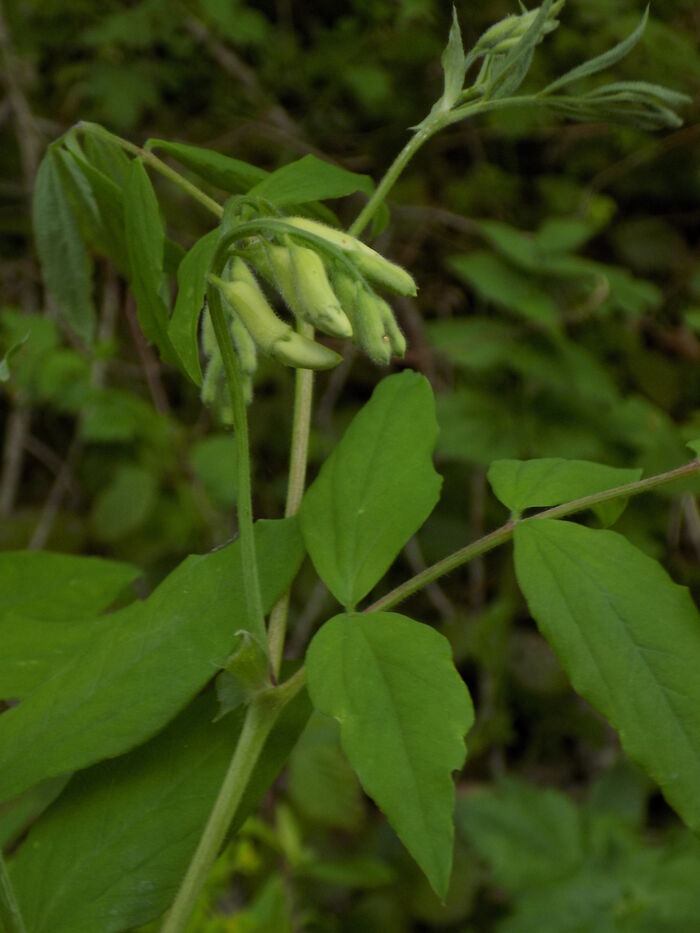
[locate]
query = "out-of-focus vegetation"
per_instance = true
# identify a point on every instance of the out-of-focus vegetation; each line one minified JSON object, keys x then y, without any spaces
{"x":558,"y":316}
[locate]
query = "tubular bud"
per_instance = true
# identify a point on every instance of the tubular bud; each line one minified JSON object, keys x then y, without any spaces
{"x":271,"y":334}
{"x":210,"y":383}
{"x":296,"y":350}
{"x":368,"y":260}
{"x":397,"y":341}
{"x":249,"y":303}
{"x":245,"y":346}
{"x":386,"y":273}
{"x":373,"y":321}
{"x":320,"y":304}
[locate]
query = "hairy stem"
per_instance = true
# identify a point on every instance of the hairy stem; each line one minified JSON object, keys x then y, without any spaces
{"x":158,"y":164}
{"x":427,"y":129}
{"x":301,"y":424}
{"x":260,"y":718}
{"x":10,"y":917}
{"x":244,"y":506}
{"x":505,"y":533}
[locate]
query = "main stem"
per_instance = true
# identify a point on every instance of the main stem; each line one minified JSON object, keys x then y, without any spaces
{"x":264,"y":708}
{"x":260,"y":718}
{"x":427,"y":129}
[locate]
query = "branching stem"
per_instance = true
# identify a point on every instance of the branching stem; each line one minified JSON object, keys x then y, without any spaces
{"x":156,"y":163}
{"x":505,"y":533}
{"x":260,"y":718}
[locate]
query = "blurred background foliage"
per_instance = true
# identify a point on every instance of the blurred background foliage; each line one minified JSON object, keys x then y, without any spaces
{"x":558,"y":315}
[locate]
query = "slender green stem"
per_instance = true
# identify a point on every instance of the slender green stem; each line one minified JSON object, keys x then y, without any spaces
{"x":244,"y":506}
{"x":427,"y":129}
{"x":301,"y":425}
{"x":211,"y":205}
{"x":10,"y":916}
{"x":260,"y":718}
{"x":505,"y":533}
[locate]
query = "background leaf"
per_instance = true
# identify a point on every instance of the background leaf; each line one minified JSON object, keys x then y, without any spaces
{"x":125,"y":503}
{"x":403,"y":711}
{"x":158,"y":653}
{"x":375,"y":490}
{"x":320,"y":780}
{"x":629,"y":639}
{"x":528,"y":836}
{"x":65,"y":263}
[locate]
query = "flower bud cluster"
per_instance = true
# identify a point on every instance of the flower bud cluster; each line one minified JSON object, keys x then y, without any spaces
{"x":323,"y":277}
{"x":503,"y":35}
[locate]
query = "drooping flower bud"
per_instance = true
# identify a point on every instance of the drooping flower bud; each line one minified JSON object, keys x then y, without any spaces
{"x":318,"y":299}
{"x":374,"y":326}
{"x":300,"y":277}
{"x":272,"y":335}
{"x":368,"y":261}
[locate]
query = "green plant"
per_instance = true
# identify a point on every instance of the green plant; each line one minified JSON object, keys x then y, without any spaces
{"x":125,"y":684}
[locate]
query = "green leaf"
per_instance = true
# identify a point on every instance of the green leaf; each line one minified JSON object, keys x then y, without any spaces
{"x":60,"y":587}
{"x":7,"y":358}
{"x":16,"y":815}
{"x":269,"y":910}
{"x":226,"y":173}
{"x":123,"y":506}
{"x":524,"y":484}
{"x":48,"y":609}
{"x":310,"y":179}
{"x":65,"y":263}
{"x":694,"y":446}
{"x":110,"y":853}
{"x":629,"y":639}
{"x":110,"y":212}
{"x":600,"y":62}
{"x":516,"y":245}
{"x":159,"y":653}
{"x":375,"y":490}
{"x":499,"y":282}
{"x":107,"y":157}
{"x":403,"y":712}
{"x":192,"y":287}
{"x":213,"y":459}
{"x":528,"y":836}
{"x":145,"y":240}
{"x":453,"y":65}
